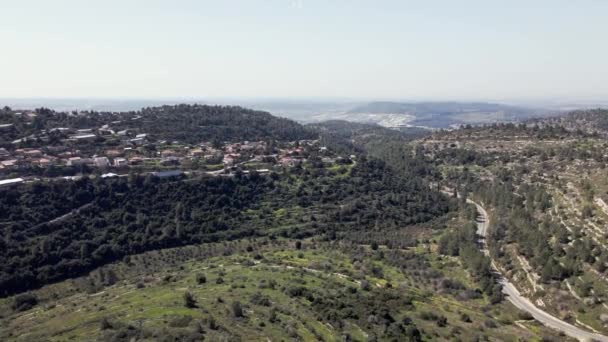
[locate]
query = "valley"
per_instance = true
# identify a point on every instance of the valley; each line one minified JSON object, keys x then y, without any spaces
{"x":358,"y":237}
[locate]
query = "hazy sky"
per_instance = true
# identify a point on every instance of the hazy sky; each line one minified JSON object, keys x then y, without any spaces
{"x":399,"y":49}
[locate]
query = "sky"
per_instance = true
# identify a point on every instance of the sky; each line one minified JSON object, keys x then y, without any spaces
{"x":431,"y":49}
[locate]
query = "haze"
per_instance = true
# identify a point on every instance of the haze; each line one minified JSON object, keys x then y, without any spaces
{"x":483,"y":50}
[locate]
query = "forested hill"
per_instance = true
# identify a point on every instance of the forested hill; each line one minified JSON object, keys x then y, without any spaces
{"x":201,"y":122}
{"x":185,"y":123}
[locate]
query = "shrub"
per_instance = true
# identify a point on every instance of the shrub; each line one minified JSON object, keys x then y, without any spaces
{"x":237,"y":309}
{"x":105,"y":324}
{"x":259,"y":299}
{"x":24,"y":302}
{"x":189,"y":300}
{"x":201,"y":279}
{"x":365,"y":285}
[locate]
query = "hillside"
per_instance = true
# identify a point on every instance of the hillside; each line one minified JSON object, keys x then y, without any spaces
{"x":591,"y":121}
{"x":184,"y":123}
{"x":261,"y":289}
{"x":545,"y":190}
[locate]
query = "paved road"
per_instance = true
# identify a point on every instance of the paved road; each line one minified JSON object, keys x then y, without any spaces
{"x":522,"y":302}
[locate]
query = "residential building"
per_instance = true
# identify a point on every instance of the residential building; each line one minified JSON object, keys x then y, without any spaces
{"x":118,"y":162}
{"x":12,"y":181}
{"x":101,"y":162}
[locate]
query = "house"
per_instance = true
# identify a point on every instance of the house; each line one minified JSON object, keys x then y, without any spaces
{"x":113,"y":153}
{"x":109,"y":175}
{"x":83,"y":137}
{"x":4,"y":152}
{"x":118,"y":162}
{"x":170,"y":161}
{"x":18,"y":141}
{"x":101,"y":162}
{"x":198,"y":152}
{"x":136,"y":161}
{"x":137,"y":141}
{"x":230,"y":159}
{"x":32,"y":153}
{"x":59,"y":129}
{"x":168,"y":153}
{"x":44,"y":162}
{"x":72,"y":161}
{"x":12,"y":181}
{"x":106,"y":131}
{"x":9,"y":163}
{"x":288,"y":161}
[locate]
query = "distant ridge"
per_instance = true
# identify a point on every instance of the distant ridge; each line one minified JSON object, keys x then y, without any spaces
{"x":446,"y":114}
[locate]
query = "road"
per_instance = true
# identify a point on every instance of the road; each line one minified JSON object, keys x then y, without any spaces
{"x":522,"y":302}
{"x":64,"y":216}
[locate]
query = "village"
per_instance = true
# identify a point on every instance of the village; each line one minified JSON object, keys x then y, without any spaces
{"x":68,"y":153}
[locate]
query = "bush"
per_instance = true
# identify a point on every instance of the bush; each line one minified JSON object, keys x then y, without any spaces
{"x":105,"y":324}
{"x":374,"y":246}
{"x":365,"y":285}
{"x":259,"y":299}
{"x":189,"y":300}
{"x":524,"y":315}
{"x":24,"y":302}
{"x":237,"y":309}
{"x":465,"y":318}
{"x":201,"y":279}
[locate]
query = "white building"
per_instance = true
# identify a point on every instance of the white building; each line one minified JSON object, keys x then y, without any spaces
{"x":120,"y":162}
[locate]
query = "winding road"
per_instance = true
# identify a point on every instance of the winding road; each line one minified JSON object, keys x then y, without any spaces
{"x":521,"y":302}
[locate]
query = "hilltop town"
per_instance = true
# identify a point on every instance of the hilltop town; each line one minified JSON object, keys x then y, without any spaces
{"x":111,"y":150}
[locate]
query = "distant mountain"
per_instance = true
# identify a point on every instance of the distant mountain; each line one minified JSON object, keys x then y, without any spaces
{"x":433,"y":107}
{"x":443,"y":114}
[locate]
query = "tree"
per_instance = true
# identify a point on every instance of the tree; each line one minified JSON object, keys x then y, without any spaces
{"x":237,"y":309}
{"x":189,"y":300}
{"x":24,"y":302}
{"x":374,"y":246}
